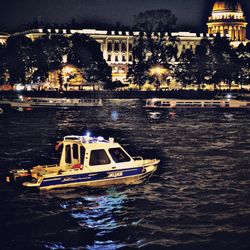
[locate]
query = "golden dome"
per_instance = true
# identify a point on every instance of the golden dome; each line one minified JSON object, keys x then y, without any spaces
{"x":222,"y":5}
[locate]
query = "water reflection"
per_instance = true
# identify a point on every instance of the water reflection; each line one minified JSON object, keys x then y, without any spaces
{"x":197,"y":199}
{"x":114,"y":115}
{"x":154,"y":115}
{"x":98,"y":212}
{"x":161,"y":115}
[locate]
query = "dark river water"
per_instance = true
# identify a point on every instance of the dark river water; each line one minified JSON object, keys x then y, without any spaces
{"x":199,"y":198}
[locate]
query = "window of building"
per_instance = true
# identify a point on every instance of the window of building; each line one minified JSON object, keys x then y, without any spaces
{"x":130,"y":58}
{"x":109,"y":46}
{"x":123,"y":58}
{"x":121,"y":70}
{"x":130,"y":46}
{"x":115,"y":69}
{"x":67,"y":154}
{"x":75,"y":151}
{"x":183,"y":46}
{"x":118,"y":155}
{"x":109,"y":57}
{"x":116,"y":58}
{"x":98,"y":157}
{"x":116,"y":46}
{"x":123,"y":47}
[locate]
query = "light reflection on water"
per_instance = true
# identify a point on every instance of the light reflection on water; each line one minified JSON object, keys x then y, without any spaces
{"x":198,"y":198}
{"x":98,"y":212}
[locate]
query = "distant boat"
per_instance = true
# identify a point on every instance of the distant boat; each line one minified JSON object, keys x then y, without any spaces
{"x":87,"y":161}
{"x":43,"y":102}
{"x":164,"y":103}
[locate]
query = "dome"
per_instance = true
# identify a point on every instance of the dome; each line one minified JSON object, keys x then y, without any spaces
{"x":222,"y":5}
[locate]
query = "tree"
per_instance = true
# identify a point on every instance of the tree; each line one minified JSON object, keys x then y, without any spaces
{"x":85,"y":53}
{"x":19,"y":58}
{"x":214,"y":61}
{"x":186,"y":69}
{"x":243,"y":53}
{"x":25,"y":60}
{"x":2,"y":64}
{"x":204,"y":62}
{"x":225,"y":61}
{"x":138,"y":71}
{"x":41,"y":62}
{"x":153,"y":46}
{"x":51,"y":54}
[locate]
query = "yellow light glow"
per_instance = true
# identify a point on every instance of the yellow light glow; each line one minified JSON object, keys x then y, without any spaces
{"x":157,"y":70}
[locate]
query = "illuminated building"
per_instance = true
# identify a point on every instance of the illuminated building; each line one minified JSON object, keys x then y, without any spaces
{"x":3,"y":37}
{"x":117,"y":45}
{"x":228,"y":18}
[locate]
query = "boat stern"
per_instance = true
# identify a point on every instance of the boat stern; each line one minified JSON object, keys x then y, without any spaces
{"x":31,"y":184}
{"x":18,"y":176}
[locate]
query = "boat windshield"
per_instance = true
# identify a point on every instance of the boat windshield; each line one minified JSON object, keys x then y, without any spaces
{"x":118,"y":155}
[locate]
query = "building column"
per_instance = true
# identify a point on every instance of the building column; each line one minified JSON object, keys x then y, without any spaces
{"x":240,"y":33}
{"x":221,"y":31}
{"x":244,"y":34}
{"x":236,"y":33}
{"x":233,"y":31}
{"x":230,"y":32}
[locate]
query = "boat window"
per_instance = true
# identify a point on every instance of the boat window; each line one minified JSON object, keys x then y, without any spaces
{"x":75,"y":151}
{"x":157,"y":103}
{"x":67,"y":154}
{"x":98,"y":157}
{"x":82,"y":154}
{"x":119,"y":155}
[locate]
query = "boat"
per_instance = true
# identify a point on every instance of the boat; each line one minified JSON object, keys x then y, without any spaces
{"x":44,"y":102}
{"x":165,"y":103}
{"x":87,"y":161}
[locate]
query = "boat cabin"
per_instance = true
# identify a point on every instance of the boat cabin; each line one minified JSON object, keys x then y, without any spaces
{"x":93,"y":153}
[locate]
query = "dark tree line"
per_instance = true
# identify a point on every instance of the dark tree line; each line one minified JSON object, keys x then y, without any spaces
{"x":213,"y":61}
{"x":23,"y":60}
{"x":152,"y":48}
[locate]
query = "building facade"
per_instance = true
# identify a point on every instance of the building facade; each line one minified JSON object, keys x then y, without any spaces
{"x":227,"y":18}
{"x":116,"y":46}
{"x":3,"y":37}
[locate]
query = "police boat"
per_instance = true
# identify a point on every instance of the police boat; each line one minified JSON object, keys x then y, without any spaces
{"x":87,"y":161}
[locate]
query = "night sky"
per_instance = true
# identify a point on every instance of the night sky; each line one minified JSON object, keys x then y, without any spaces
{"x":192,"y":14}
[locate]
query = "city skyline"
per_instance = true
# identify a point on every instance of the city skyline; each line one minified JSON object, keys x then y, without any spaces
{"x":192,"y":15}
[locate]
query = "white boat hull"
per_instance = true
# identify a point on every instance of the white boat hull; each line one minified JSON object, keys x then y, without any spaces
{"x":117,"y":177}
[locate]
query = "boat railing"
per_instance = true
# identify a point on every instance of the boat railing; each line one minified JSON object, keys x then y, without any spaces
{"x":137,"y":158}
{"x":87,"y":139}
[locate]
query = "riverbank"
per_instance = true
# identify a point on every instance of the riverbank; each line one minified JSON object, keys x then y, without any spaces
{"x":182,"y":94}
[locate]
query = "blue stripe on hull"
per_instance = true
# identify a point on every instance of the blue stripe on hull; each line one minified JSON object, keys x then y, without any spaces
{"x":97,"y":176}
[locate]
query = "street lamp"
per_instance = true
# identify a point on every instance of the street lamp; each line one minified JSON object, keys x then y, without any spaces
{"x":157,"y":72}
